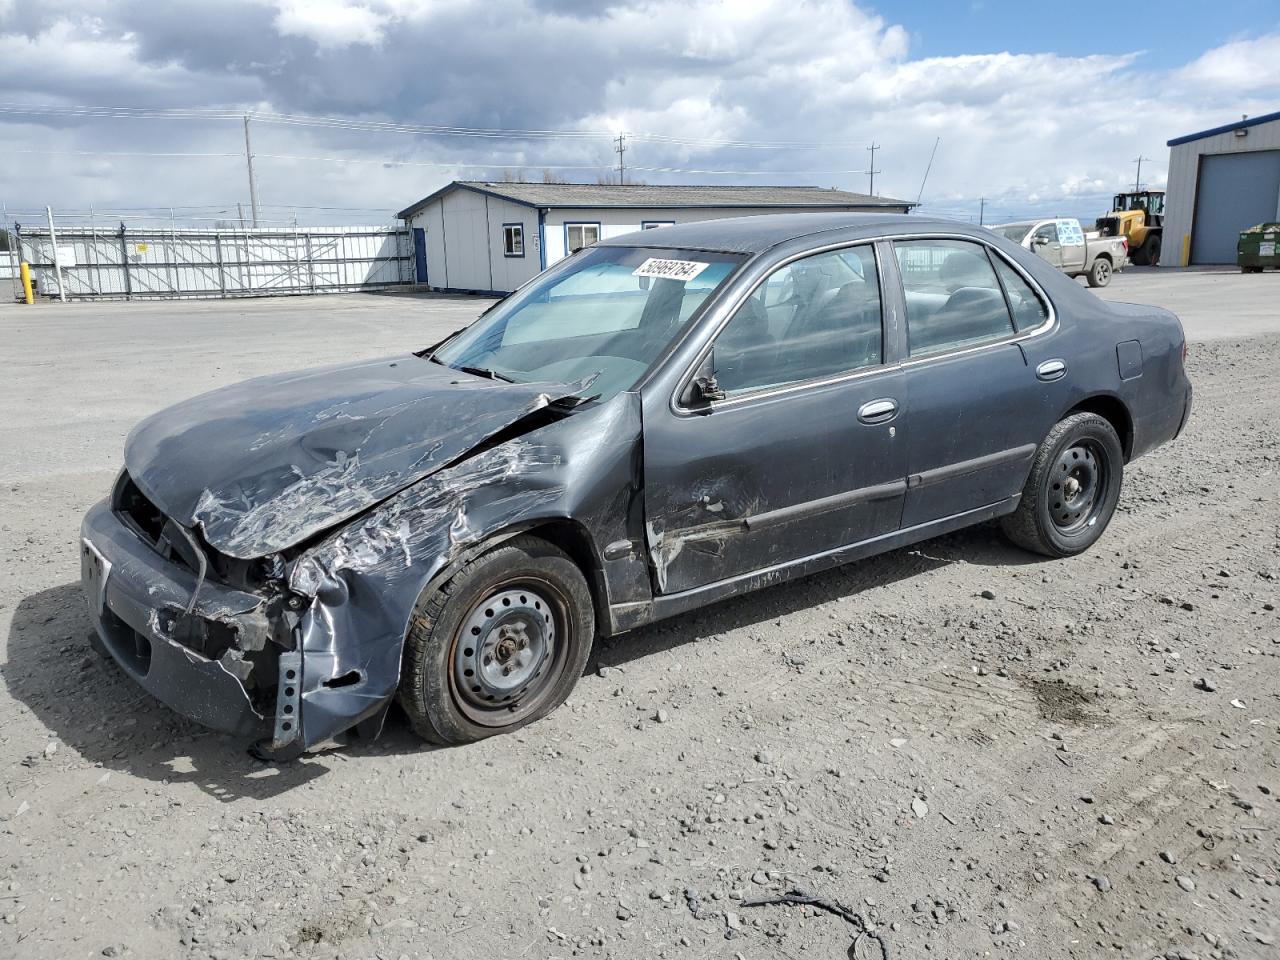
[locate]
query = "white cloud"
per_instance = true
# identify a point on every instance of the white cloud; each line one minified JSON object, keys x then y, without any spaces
{"x":331,"y":23}
{"x":1024,"y":130}
{"x":1242,"y":66}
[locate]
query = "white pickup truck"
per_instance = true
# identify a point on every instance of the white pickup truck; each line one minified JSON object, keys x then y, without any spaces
{"x":1062,"y":242}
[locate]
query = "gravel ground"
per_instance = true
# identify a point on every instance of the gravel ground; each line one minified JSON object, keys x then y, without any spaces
{"x":983,"y":753}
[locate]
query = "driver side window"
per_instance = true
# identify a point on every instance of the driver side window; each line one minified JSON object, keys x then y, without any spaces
{"x":813,"y":318}
{"x":1047,"y":233}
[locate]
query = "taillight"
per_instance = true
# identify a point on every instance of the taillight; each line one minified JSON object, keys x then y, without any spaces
{"x":1184,"y":351}
{"x":1125,"y":240}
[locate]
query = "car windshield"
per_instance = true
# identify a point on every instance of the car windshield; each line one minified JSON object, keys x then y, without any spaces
{"x":605,"y":313}
{"x":1014,"y":231}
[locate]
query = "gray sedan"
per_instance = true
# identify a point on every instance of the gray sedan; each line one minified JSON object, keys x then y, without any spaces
{"x":661,"y":421}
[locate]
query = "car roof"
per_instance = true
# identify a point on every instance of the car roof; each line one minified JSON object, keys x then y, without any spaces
{"x":757,"y":234}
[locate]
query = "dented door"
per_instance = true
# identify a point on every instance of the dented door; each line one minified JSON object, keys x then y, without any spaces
{"x":794,"y":450}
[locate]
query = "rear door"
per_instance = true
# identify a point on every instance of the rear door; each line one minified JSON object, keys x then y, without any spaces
{"x":975,"y":414}
{"x":802,"y":455}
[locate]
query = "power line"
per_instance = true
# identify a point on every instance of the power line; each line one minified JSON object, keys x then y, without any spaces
{"x":447,"y":165}
{"x":390,"y":126}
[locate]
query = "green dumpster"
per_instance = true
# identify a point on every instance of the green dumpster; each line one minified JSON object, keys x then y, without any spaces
{"x":1259,"y":248}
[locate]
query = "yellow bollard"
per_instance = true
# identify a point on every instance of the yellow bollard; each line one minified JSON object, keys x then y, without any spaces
{"x":25,"y":271}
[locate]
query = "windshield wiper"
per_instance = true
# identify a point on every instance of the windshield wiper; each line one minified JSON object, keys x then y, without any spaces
{"x":486,"y":372}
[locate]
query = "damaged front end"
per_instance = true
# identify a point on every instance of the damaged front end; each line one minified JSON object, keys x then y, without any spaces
{"x":213,"y":638}
{"x":272,"y":599}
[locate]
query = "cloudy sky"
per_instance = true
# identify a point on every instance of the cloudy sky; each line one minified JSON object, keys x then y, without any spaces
{"x":1039,"y":107}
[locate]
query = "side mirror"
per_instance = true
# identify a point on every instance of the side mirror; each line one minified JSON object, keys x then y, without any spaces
{"x":1039,"y":241}
{"x":708,"y":388}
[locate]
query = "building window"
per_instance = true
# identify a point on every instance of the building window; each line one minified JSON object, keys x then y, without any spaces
{"x":513,"y":239}
{"x":654,"y":224}
{"x":579,"y":235}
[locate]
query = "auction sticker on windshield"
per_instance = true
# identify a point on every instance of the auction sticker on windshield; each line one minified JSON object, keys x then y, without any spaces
{"x":669,"y":269}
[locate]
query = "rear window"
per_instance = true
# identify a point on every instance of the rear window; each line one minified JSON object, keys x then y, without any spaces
{"x":1029,"y":311}
{"x":954,"y":300}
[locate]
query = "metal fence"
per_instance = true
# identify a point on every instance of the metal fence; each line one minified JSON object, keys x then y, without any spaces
{"x":149,"y":263}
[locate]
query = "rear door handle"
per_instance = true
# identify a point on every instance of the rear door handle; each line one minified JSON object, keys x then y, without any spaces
{"x":1051,"y":370}
{"x":878,"y":411}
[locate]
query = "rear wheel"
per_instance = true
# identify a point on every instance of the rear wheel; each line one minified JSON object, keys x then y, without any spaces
{"x":1072,"y":491}
{"x":1100,"y":272}
{"x":498,"y":646}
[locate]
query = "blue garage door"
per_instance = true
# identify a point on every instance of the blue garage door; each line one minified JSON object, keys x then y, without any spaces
{"x":1237,"y":190}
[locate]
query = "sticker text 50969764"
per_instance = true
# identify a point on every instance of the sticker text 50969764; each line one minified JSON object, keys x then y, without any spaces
{"x":669,"y":269}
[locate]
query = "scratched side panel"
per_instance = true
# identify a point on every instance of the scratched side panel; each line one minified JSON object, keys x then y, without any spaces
{"x":364,"y":581}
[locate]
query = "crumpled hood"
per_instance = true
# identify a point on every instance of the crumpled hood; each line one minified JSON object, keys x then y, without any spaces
{"x":267,"y":463}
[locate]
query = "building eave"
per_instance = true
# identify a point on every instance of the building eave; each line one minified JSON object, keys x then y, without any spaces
{"x":1225,"y":128}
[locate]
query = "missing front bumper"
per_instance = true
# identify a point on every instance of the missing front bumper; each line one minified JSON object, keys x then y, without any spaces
{"x":139,"y":601}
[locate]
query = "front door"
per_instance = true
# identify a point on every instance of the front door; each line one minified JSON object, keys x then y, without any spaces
{"x":1046,"y":244}
{"x":801,"y":455}
{"x":975,"y":411}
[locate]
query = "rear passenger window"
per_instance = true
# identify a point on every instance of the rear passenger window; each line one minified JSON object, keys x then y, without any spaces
{"x":1029,"y":311}
{"x":816,"y":317}
{"x":953,"y":298}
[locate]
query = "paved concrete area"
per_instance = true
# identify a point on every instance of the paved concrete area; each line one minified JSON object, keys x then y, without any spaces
{"x":95,"y":369}
{"x":1212,"y":303}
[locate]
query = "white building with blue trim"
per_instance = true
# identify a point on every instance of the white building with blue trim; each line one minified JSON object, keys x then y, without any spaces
{"x":482,"y":237}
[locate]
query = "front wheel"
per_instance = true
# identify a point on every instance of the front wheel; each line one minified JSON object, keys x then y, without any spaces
{"x":1100,"y":272}
{"x":498,"y":646}
{"x":1153,"y":252}
{"x":1072,"y":491}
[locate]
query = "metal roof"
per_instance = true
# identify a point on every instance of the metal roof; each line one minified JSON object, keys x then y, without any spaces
{"x":633,"y":196}
{"x":757,"y":234}
{"x":1225,"y":128}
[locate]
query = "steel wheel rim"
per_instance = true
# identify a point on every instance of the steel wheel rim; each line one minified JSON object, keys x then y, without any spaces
{"x":1104,"y":270}
{"x":1077,"y":487}
{"x":508,"y":651}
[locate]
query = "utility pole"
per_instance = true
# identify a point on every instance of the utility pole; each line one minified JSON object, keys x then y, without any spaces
{"x":1137,"y":180}
{"x":982,"y":211}
{"x":621,"y":148}
{"x":253,"y":183}
{"x":57,"y":259}
{"x":873,"y":171}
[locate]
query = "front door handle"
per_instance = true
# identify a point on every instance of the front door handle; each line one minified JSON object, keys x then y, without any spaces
{"x":1051,"y":370}
{"x":878,"y":411}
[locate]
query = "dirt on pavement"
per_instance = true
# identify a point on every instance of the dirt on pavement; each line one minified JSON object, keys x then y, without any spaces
{"x":982,"y":752}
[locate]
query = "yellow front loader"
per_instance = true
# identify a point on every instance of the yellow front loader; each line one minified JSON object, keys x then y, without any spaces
{"x":1139,"y":217}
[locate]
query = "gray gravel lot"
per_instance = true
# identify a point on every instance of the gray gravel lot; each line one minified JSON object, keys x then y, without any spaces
{"x":1084,"y":766}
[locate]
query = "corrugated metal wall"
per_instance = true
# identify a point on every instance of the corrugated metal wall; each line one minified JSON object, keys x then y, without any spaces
{"x":1184,"y":172}
{"x":159,"y":264}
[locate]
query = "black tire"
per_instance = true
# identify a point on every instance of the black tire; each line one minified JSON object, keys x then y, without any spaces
{"x":1100,"y":273}
{"x":1153,"y":250}
{"x":548,"y":607}
{"x":1059,"y":520}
